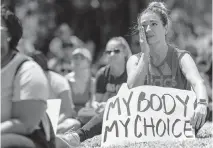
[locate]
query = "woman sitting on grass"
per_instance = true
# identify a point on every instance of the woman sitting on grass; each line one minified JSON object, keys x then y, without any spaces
{"x":160,"y":64}
{"x":82,"y":86}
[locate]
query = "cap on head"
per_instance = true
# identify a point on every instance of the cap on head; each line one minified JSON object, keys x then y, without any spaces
{"x":83,"y":51}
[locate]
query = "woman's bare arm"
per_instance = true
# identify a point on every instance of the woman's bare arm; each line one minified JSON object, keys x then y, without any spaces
{"x":137,"y":70}
{"x":191,"y":73}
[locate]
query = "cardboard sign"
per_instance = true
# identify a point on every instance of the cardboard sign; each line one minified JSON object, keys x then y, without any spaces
{"x":148,"y":113}
{"x":53,"y":111}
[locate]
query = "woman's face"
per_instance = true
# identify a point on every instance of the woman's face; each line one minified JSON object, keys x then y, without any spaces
{"x":4,"y":42}
{"x":80,"y":62}
{"x":115,"y":52}
{"x":153,"y":27}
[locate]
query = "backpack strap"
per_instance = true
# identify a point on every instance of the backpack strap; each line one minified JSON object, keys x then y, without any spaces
{"x":19,"y":66}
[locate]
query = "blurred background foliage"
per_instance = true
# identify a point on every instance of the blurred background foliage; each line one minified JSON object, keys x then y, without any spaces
{"x":57,"y":27}
{"x":95,"y":21}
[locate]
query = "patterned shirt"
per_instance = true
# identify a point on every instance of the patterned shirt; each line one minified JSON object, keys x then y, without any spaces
{"x":168,"y":73}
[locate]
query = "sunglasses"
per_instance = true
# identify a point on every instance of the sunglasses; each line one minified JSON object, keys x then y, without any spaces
{"x":116,"y":51}
{"x":66,"y":45}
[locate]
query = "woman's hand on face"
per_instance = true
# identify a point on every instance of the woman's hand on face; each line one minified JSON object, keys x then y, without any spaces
{"x":199,"y":116}
{"x":143,"y":42}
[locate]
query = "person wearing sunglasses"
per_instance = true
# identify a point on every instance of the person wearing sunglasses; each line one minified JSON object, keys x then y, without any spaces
{"x":108,"y":82}
{"x":110,"y":77}
{"x":161,"y":64}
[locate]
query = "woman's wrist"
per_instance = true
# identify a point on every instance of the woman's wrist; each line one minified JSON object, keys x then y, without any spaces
{"x":203,"y":102}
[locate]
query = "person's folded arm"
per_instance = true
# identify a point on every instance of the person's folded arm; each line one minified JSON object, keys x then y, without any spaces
{"x":136,"y":70}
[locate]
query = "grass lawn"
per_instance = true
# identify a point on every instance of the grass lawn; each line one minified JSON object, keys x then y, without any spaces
{"x":204,"y":140}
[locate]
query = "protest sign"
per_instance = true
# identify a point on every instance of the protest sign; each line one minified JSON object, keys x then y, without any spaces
{"x":148,"y":113}
{"x":53,"y":111}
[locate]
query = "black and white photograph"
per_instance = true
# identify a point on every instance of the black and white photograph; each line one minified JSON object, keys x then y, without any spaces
{"x":106,"y":74}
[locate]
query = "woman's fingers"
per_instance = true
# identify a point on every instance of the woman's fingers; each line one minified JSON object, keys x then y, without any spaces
{"x":143,"y":41}
{"x":201,"y":112}
{"x":198,"y":120}
{"x":142,"y":35}
{"x":193,"y":121}
{"x":202,"y":121}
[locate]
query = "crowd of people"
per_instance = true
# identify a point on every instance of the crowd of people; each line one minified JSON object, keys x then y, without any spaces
{"x":30,"y":79}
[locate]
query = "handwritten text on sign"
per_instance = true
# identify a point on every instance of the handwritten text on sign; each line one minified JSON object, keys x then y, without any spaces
{"x":148,"y":113}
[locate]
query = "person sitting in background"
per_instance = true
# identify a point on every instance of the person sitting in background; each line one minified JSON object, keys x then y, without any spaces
{"x":61,"y":63}
{"x":62,"y":47}
{"x":108,"y":81}
{"x":24,"y":91}
{"x":110,"y":77}
{"x":160,"y":64}
{"x":82,"y":84}
{"x":59,"y":89}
